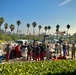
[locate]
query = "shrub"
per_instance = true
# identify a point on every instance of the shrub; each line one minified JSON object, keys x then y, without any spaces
{"x":58,"y":67}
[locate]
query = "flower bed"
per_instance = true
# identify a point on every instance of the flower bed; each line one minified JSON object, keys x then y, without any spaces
{"x":58,"y":67}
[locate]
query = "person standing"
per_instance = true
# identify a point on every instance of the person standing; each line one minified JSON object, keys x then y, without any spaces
{"x":73,"y":51}
{"x":37,"y":52}
{"x":68,"y":47}
{"x":18,"y":51}
{"x":7,"y":52}
{"x":47,"y":53}
{"x":41,"y":52}
{"x":1,"y":55}
{"x":33,"y":51}
{"x":60,"y":48}
{"x":44,"y":48}
{"x":56,"y":48}
{"x":64,"y":49}
{"x":29,"y":52}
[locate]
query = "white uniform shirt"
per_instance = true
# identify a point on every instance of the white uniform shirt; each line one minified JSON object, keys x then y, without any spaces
{"x":1,"y":52}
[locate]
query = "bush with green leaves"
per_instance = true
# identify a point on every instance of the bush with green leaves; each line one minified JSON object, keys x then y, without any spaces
{"x":58,"y":67}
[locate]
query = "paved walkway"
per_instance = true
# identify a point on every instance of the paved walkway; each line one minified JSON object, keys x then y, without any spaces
{"x":23,"y":60}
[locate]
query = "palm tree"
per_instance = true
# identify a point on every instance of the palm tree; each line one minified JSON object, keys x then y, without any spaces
{"x":6,"y":27}
{"x":18,"y":23}
{"x":49,"y":27}
{"x":45,"y":29}
{"x":57,"y":26}
{"x":1,"y":22}
{"x":68,"y":26}
{"x":28,"y":25}
{"x":12,"y":28}
{"x":57,"y":30}
{"x":39,"y":28}
{"x":34,"y":25}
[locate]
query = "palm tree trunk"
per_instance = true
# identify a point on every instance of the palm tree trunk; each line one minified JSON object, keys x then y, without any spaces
{"x":5,"y":31}
{"x":48,"y":32}
{"x":34,"y":31}
{"x":0,"y":27}
{"x":57,"y":35}
{"x":17,"y":29}
{"x":67,"y":31}
{"x":67,"y":34}
{"x":39,"y":31}
{"x":45,"y":32}
{"x":11,"y":32}
{"x":27,"y":31}
{"x":5,"y":35}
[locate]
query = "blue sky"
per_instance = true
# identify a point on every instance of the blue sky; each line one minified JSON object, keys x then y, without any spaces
{"x":44,"y":12}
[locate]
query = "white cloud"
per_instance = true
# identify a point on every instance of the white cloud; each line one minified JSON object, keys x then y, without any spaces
{"x":64,"y":2}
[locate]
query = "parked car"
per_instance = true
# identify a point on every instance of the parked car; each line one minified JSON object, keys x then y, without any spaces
{"x":21,"y":41}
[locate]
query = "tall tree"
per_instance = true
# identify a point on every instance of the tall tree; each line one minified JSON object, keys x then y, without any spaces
{"x":34,"y":25}
{"x":49,"y":27}
{"x":18,"y":24}
{"x":57,"y":26}
{"x":28,"y":25}
{"x":67,"y":35}
{"x":57,"y":30}
{"x":12,"y":28}
{"x":6,"y":27}
{"x":1,"y":22}
{"x":68,"y":26}
{"x":39,"y":28}
{"x":45,"y":29}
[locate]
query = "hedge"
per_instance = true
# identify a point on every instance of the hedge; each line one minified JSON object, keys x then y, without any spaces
{"x":51,"y":67}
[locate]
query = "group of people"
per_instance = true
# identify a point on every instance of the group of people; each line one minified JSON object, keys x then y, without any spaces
{"x":38,"y":52}
{"x":13,"y":51}
{"x":34,"y":51}
{"x":66,"y":48}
